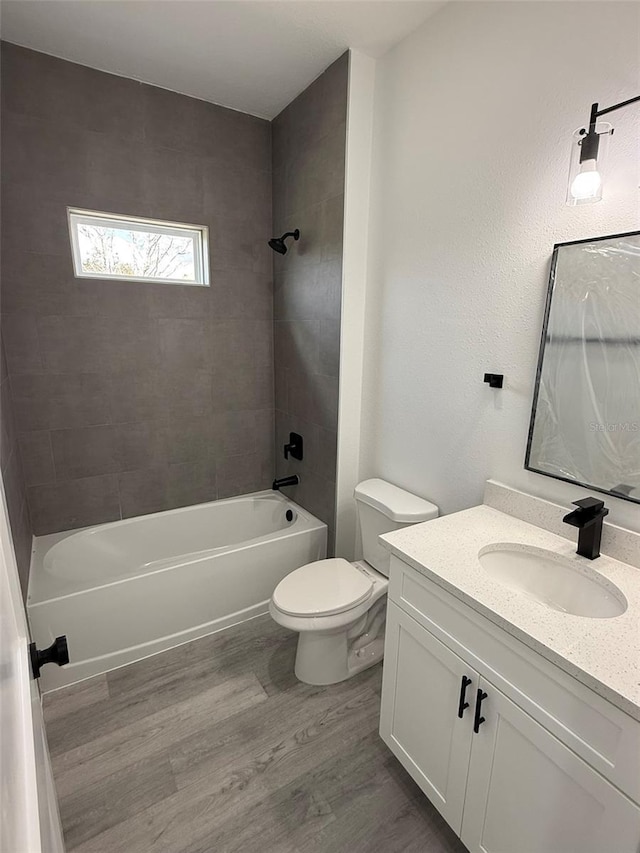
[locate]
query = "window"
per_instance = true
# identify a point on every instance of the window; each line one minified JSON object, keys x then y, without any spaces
{"x":106,"y":245}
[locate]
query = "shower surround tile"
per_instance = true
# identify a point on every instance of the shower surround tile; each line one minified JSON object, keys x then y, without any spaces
{"x":37,"y":457}
{"x":55,"y":401}
{"x":89,"y":451}
{"x":131,"y":397}
{"x":13,"y":477}
{"x":166,"y":487}
{"x":21,"y":344}
{"x":75,"y":503}
{"x":308,"y":140}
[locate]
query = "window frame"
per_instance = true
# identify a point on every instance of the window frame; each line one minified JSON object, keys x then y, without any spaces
{"x":199,"y":233}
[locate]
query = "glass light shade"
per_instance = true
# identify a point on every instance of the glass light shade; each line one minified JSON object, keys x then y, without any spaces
{"x":587,"y":184}
{"x":586,"y":179}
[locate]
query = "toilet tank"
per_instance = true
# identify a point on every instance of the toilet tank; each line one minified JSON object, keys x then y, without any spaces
{"x":383,"y":507}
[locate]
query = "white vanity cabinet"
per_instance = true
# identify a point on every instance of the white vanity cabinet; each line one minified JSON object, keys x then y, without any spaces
{"x":419,"y":720}
{"x":542,"y":765}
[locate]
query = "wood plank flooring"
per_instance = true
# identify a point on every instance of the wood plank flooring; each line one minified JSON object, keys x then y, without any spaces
{"x":215,"y":746}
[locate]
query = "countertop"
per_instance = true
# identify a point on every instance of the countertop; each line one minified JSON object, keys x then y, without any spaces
{"x":603,"y":654}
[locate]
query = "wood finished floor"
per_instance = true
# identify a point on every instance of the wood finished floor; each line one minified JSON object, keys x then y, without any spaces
{"x":214,"y":746}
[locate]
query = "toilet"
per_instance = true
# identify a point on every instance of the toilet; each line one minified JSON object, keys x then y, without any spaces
{"x":339,"y":608}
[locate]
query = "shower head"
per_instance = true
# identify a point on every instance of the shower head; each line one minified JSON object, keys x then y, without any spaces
{"x":278,"y":245}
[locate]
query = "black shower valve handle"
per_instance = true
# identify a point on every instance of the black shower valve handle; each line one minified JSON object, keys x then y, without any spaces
{"x":295,"y":447}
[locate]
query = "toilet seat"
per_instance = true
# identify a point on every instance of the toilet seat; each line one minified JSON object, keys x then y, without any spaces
{"x":322,"y":588}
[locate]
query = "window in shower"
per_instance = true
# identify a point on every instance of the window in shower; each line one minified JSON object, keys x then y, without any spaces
{"x":106,"y":245}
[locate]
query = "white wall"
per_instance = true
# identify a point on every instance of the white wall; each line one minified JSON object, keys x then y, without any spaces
{"x":354,"y":287}
{"x":473,"y":119}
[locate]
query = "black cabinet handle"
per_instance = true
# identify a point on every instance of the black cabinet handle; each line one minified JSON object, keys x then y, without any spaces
{"x":463,"y":689}
{"x":478,"y":720}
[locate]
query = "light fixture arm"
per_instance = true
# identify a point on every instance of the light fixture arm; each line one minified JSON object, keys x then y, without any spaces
{"x":596,"y":113}
{"x":591,"y":141}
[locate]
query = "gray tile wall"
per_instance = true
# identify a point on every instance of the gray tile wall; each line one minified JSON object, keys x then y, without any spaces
{"x":309,"y":139}
{"x":132,"y":398}
{"x":12,"y":473}
{"x":13,"y":478}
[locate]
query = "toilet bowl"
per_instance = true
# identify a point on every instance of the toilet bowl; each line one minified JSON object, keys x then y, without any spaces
{"x":338,"y":608}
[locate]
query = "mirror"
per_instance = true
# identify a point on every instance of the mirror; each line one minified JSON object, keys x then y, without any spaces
{"x":585,"y":420}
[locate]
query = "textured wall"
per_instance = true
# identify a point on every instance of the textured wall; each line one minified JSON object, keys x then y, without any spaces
{"x":131,"y":398}
{"x":474,"y":116}
{"x":308,"y":193}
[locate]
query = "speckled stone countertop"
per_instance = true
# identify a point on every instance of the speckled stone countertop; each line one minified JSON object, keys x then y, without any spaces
{"x":604,"y":654}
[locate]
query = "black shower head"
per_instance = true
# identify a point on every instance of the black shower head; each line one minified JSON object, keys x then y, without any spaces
{"x":278,"y":245}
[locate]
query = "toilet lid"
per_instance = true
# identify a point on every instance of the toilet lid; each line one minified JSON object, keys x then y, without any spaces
{"x":322,"y":588}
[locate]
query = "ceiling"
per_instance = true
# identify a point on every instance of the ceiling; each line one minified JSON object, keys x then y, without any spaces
{"x":251,"y":55}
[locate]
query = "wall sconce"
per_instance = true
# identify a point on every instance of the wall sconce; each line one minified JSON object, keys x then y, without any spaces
{"x":588,"y":156}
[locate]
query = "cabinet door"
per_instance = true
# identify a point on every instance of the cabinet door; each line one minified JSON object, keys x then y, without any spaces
{"x":528,"y":793}
{"x":419,"y":716}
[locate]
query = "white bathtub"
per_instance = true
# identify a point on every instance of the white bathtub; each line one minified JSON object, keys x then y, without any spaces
{"x":132,"y":588}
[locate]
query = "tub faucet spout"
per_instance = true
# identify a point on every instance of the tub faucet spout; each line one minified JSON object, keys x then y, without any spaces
{"x":293,"y":480}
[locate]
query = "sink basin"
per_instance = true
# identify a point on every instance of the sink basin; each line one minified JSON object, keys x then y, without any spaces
{"x":553,"y":580}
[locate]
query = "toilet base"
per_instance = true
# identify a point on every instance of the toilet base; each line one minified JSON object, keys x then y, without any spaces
{"x":325,"y":657}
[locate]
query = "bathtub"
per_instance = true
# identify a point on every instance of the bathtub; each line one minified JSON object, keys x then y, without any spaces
{"x":126,"y":590}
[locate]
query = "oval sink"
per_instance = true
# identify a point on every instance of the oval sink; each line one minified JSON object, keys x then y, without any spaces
{"x":553,"y":580}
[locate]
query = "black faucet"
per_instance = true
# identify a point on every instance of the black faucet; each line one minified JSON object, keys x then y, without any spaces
{"x":293,"y":480}
{"x":588,"y":519}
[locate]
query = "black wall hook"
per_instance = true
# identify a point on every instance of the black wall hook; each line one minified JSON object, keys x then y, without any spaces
{"x":494,"y":380}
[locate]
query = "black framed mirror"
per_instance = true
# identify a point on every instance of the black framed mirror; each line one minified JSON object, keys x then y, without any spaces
{"x":585,"y":418}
